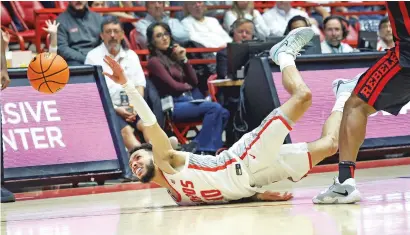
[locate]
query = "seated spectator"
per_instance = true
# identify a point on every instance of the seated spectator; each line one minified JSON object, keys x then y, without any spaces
{"x":385,"y":35}
{"x":203,"y":29}
{"x":277,"y":18}
{"x":104,"y":4}
{"x":242,"y":30}
{"x":172,"y":75}
{"x":155,"y":13}
{"x":297,"y":22}
{"x":112,"y":35}
{"x":77,"y":33}
{"x":244,"y":9}
{"x":113,"y":44}
{"x":335,"y":31}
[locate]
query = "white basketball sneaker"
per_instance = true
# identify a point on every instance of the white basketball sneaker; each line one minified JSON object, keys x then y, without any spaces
{"x":344,"y":85}
{"x":292,"y":43}
{"x":338,"y":193}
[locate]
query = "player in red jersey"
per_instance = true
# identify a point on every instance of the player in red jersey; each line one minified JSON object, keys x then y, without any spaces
{"x":384,"y":86}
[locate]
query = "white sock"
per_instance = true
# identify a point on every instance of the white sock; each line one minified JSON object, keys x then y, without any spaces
{"x":340,"y":101}
{"x":285,"y":60}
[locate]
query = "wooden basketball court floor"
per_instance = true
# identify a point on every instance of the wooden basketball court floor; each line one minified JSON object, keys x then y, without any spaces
{"x":134,"y":208}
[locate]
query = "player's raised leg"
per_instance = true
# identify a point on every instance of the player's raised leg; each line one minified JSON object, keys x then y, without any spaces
{"x":299,"y":158}
{"x":284,"y":54}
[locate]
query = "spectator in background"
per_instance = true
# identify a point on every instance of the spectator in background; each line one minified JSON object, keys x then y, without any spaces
{"x":244,"y":9}
{"x":296,"y":22}
{"x":112,"y":35}
{"x":155,"y":13}
{"x":173,"y":75}
{"x":242,"y":30}
{"x":203,"y":29}
{"x":385,"y":35}
{"x":277,"y":18}
{"x":77,"y":33}
{"x":104,"y":4}
{"x":335,"y":31}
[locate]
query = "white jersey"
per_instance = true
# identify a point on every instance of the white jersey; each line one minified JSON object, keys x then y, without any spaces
{"x":257,"y":159}
{"x":206,"y":179}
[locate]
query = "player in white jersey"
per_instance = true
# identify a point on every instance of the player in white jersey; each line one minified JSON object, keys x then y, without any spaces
{"x":257,"y":159}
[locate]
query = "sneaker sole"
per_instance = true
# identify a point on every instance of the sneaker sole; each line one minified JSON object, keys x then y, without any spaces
{"x":351,"y":198}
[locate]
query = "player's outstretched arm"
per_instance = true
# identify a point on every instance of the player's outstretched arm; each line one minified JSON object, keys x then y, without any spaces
{"x":159,"y":140}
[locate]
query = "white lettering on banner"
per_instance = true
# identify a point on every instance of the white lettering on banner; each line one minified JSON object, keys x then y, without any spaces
{"x":37,"y":137}
{"x":403,"y":111}
{"x":14,"y":113}
{"x":48,"y":110}
{"x":41,"y":138}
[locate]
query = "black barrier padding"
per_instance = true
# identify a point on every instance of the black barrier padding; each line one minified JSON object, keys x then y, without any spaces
{"x":78,"y":74}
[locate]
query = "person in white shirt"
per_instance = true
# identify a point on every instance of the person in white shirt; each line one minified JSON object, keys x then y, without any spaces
{"x":114,"y":46}
{"x":385,"y":35}
{"x":203,"y":29}
{"x":335,"y":32}
{"x":244,"y":9}
{"x":277,"y":18}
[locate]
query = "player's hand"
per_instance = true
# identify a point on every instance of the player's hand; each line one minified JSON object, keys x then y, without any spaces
{"x":117,"y":75}
{"x":274,"y":196}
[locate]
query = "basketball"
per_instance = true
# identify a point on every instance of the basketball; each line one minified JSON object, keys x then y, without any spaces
{"x":48,"y":73}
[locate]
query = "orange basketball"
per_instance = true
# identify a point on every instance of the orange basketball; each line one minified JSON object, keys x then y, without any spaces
{"x":48,"y":72}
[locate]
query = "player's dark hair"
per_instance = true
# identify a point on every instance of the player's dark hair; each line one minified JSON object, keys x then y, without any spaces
{"x":145,"y":146}
{"x":383,"y":21}
{"x":114,"y":20}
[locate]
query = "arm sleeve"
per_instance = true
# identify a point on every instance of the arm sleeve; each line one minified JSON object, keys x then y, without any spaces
{"x":157,"y":69}
{"x":64,"y":48}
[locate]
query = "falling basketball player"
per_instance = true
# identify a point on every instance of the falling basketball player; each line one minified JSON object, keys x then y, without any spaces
{"x":257,"y":159}
{"x":384,"y":86}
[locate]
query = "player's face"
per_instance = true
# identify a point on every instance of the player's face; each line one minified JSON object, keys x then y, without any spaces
{"x":333,"y":32}
{"x":142,"y":165}
{"x":162,"y":39}
{"x":386,"y":32}
{"x":112,"y":36}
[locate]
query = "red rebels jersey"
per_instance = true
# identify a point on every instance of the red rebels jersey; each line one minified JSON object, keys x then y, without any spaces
{"x":400,"y":22}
